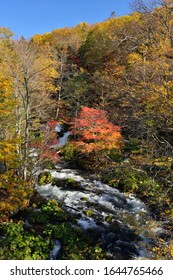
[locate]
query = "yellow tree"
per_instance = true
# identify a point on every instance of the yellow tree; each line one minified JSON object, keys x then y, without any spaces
{"x":14,"y":192}
{"x":32,"y":71}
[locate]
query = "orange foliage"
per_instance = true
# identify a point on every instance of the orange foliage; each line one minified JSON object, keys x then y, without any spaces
{"x":95,"y":132}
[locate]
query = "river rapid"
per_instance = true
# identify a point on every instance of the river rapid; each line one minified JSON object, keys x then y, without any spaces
{"x":120,"y":222}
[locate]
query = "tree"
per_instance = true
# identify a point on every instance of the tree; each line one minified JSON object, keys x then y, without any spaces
{"x":158,"y":16}
{"x":32,"y":71}
{"x":94,"y":132}
{"x":14,"y":192}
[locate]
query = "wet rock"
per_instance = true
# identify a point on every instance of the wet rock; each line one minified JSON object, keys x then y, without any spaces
{"x":128,"y":235}
{"x":95,"y":233}
{"x":109,"y":218}
{"x":126,"y":248}
{"x":99,"y":223}
{"x":89,"y":212}
{"x":83,"y":198}
{"x":115,"y":246}
{"x":68,"y":184}
{"x":115,"y":226}
{"x":71,"y":183}
{"x":44,"y":178}
{"x":108,"y":240}
{"x":163,"y":234}
{"x":37,"y":200}
{"x":78,"y":216}
{"x":58,"y":182}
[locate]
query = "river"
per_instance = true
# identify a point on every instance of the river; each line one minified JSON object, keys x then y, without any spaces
{"x":120,"y":222}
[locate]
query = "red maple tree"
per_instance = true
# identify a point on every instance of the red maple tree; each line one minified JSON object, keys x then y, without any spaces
{"x":95,"y":132}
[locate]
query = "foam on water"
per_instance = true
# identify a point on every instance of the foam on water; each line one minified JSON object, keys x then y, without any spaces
{"x":55,"y":250}
{"x":63,"y":140}
{"x":87,"y":223}
{"x":65,"y":174}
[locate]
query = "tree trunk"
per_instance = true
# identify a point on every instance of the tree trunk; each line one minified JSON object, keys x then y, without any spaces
{"x":26,"y":134}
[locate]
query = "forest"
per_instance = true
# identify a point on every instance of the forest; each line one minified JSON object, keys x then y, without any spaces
{"x":109,"y":86}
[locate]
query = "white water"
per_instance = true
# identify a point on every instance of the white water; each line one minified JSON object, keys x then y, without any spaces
{"x":63,"y":140}
{"x":55,"y":250}
{"x":132,"y":225}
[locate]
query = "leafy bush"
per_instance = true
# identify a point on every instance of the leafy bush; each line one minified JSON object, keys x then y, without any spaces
{"x":76,"y":245}
{"x":162,"y":251}
{"x":19,"y":244}
{"x":128,"y":179}
{"x":68,"y":151}
{"x":132,"y":145}
{"x":48,"y":164}
{"x":38,"y":217}
{"x":49,"y":212}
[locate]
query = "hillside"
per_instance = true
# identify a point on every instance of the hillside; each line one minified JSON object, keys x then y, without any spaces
{"x":111,"y":85}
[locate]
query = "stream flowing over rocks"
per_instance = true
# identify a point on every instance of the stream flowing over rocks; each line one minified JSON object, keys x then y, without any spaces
{"x":120,"y":222}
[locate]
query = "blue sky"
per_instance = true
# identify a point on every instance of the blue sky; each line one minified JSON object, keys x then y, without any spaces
{"x":29,"y":17}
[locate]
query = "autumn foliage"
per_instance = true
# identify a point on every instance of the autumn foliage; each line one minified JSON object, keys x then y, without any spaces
{"x":94,"y":132}
{"x":119,"y":71}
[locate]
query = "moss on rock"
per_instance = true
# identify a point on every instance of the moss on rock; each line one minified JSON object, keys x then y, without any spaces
{"x":44,"y":178}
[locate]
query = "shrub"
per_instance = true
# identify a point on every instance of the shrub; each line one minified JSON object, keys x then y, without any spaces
{"x":68,"y":151}
{"x":76,"y":245}
{"x":19,"y":244}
